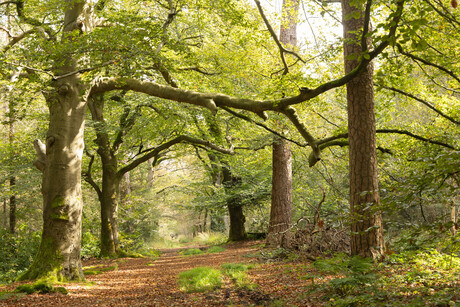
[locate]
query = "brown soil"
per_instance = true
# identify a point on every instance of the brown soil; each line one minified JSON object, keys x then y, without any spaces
{"x":147,"y":282}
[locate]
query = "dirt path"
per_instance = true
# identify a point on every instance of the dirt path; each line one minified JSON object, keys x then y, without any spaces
{"x":143,"y":282}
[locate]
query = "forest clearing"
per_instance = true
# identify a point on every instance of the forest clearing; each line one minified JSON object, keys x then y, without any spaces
{"x":229,"y":152}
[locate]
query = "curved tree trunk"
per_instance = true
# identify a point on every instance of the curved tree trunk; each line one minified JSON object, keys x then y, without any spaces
{"x":109,"y":195}
{"x":58,"y":256}
{"x":366,"y":225}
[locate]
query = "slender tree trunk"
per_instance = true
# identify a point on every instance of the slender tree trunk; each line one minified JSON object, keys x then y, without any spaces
{"x":59,"y":252}
{"x":12,"y":204}
{"x":5,"y":219}
{"x":366,"y":224}
{"x":11,"y":121}
{"x":281,"y":203}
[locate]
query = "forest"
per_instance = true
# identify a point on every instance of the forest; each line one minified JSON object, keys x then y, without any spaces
{"x":229,"y":153}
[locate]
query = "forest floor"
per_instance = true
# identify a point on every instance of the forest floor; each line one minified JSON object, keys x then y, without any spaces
{"x":154,"y":282}
{"x":270,"y":278}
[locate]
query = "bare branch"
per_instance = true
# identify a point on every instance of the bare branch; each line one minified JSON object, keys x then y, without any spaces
{"x":248,"y":119}
{"x":281,"y":48}
{"x":157,"y":150}
{"x":426,"y":62}
{"x":293,"y":117}
{"x":198,"y":69}
{"x":424,"y":102}
{"x":40,"y":150}
{"x":335,"y":140}
{"x":88,"y":178}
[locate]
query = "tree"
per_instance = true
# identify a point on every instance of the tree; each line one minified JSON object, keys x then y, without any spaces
{"x":366,"y":222}
{"x":281,"y":204}
{"x":60,"y":162}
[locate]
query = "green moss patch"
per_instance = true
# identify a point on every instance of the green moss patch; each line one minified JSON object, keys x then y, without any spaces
{"x":191,"y":252}
{"x":215,"y":249}
{"x":41,"y":287}
{"x":99,"y":269}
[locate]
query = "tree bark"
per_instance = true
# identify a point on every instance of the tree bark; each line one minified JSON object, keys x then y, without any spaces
{"x":58,"y":256}
{"x":366,"y":222}
{"x":281,"y":203}
{"x":110,"y":246}
{"x":237,"y":230}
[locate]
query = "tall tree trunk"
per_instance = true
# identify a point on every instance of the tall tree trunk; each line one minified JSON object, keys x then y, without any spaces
{"x":366,"y":224}
{"x":109,"y":207}
{"x":5,"y":218}
{"x":11,"y":121}
{"x":110,"y":182}
{"x":281,"y":203}
{"x":12,"y":204}
{"x":59,"y":256}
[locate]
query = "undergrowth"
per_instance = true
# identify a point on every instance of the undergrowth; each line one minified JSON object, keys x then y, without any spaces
{"x":415,"y":278}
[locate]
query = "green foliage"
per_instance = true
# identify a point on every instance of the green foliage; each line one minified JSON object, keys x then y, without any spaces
{"x":211,"y":238}
{"x":215,"y":249}
{"x":90,"y":245}
{"x":17,"y":252}
{"x":414,"y":278}
{"x":191,"y":252}
{"x":200,"y":279}
{"x":357,"y":271}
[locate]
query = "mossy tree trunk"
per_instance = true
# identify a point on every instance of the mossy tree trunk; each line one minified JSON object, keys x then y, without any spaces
{"x":59,"y":252}
{"x":237,"y":231}
{"x":366,"y":224}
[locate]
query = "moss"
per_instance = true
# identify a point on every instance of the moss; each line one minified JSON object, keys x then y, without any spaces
{"x":41,"y":286}
{"x":58,"y":201}
{"x":61,"y":217}
{"x":94,"y":271}
{"x":47,"y":264}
